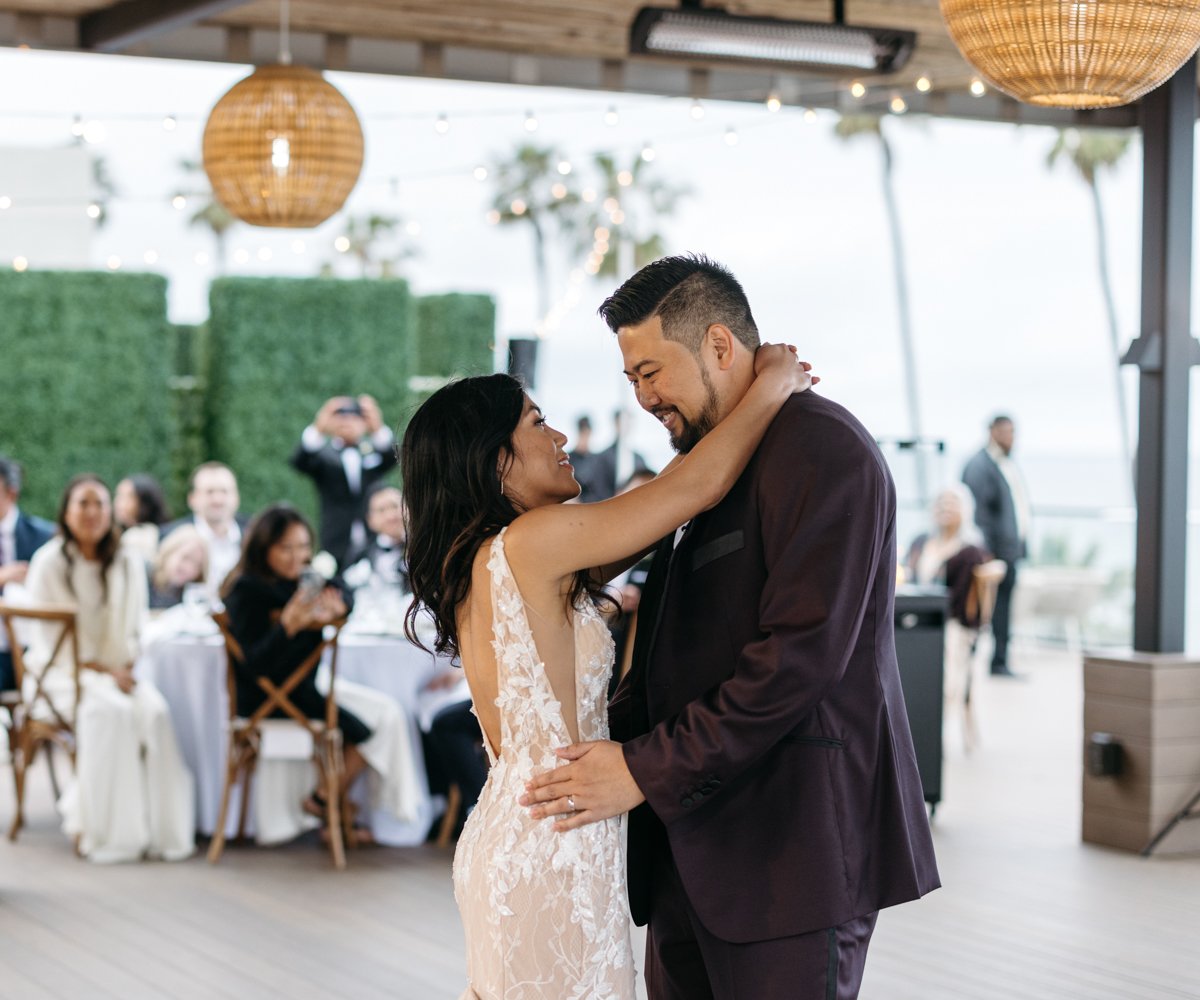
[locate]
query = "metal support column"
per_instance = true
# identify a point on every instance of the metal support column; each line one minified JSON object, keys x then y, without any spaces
{"x":1164,"y":353}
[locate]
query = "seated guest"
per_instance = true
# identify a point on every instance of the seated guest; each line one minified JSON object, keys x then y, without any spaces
{"x":181,"y":559}
{"x":213,"y":500}
{"x":950,"y":552}
{"x":21,"y":535}
{"x":277,"y":620}
{"x":132,"y":795}
{"x":453,"y":745}
{"x":141,"y":510}
{"x":383,"y":557}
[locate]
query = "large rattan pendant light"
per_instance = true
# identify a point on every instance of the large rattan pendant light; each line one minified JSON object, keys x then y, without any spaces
{"x":283,"y":147}
{"x":1075,"y":53}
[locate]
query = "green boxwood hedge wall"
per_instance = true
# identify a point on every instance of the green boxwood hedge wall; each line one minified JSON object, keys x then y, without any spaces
{"x":92,"y":376}
{"x":84,"y":363}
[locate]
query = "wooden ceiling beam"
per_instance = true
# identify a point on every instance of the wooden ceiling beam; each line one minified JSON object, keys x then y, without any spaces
{"x":115,"y":28}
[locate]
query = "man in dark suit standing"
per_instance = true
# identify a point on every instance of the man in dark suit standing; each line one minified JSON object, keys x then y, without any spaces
{"x":21,"y":535}
{"x":345,"y":451}
{"x":766,"y":757}
{"x":1002,"y":513}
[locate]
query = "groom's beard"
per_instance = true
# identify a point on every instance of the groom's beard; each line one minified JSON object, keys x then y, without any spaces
{"x":691,"y":431}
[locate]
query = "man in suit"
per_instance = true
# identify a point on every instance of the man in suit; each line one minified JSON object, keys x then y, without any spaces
{"x":766,"y":752}
{"x":384,"y":555}
{"x":213,"y":499}
{"x":21,"y":535}
{"x":345,"y":451}
{"x":1002,"y":513}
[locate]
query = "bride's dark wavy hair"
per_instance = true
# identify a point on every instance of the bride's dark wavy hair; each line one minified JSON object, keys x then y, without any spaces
{"x":456,"y":451}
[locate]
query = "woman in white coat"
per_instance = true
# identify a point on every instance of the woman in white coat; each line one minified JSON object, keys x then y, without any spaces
{"x":132,"y":795}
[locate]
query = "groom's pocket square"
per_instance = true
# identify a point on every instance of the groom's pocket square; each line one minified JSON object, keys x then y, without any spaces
{"x":718,"y":547}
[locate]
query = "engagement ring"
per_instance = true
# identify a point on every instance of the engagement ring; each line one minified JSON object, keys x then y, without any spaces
{"x":571,"y":802}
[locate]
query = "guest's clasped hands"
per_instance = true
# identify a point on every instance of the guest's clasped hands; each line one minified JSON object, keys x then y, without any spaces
{"x":307,"y":611}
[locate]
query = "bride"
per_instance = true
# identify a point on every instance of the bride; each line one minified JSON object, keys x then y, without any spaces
{"x":511,"y":575}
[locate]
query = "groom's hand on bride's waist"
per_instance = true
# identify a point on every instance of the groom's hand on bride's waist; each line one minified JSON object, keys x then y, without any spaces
{"x":592,"y":784}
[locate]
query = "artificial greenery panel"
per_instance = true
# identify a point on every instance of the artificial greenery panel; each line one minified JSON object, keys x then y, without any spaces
{"x":84,"y":363}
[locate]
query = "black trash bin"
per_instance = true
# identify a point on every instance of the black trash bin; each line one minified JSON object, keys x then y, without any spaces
{"x":920,"y":627}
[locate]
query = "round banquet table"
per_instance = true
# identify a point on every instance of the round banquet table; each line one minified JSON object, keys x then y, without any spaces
{"x":187,"y":664}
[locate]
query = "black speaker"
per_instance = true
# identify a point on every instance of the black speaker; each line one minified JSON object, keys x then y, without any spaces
{"x":1105,"y":755}
{"x":522,"y":359}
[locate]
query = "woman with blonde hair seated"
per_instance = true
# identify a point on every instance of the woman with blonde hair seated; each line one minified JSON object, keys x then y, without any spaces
{"x":131,"y":796}
{"x":182,"y":558}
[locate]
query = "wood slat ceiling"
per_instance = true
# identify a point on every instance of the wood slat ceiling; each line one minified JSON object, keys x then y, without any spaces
{"x":591,"y":32}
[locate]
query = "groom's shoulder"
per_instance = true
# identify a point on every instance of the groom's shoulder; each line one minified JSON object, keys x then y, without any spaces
{"x":813,"y":421}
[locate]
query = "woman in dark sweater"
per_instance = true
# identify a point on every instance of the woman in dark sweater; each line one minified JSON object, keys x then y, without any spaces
{"x":278,"y":624}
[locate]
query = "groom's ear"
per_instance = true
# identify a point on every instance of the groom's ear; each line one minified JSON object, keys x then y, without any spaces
{"x":720,"y":342}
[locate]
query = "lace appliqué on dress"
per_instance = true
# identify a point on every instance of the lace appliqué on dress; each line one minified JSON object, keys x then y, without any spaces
{"x":545,"y":913}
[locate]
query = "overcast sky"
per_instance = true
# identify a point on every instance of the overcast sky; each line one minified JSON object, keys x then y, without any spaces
{"x":1001,"y":251}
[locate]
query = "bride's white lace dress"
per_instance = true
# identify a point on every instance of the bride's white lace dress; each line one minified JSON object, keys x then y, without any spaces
{"x":545,"y":913}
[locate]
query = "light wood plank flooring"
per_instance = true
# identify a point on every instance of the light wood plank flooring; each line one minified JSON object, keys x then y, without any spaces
{"x":1026,"y":911}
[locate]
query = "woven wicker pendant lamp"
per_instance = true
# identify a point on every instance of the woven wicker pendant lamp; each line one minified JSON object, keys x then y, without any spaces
{"x":1075,"y":53}
{"x":283,"y":147}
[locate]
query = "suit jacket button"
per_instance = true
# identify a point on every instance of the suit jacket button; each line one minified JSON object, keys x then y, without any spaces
{"x":686,"y":802}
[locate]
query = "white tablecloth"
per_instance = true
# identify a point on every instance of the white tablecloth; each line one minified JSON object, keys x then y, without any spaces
{"x":189,"y":670}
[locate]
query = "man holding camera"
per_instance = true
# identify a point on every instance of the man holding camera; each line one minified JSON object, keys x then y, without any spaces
{"x":345,"y":451}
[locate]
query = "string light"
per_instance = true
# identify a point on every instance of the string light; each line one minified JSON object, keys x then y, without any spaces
{"x":617,"y":217}
{"x":601,"y":234}
{"x":5,"y":202}
{"x":242,"y":256}
{"x":20,"y":264}
{"x":774,"y":103}
{"x":924,"y":84}
{"x":94,"y":132}
{"x":624,"y":178}
{"x":442,"y":125}
{"x":93,"y":211}
{"x":341,"y":244}
{"x":264,"y":253}
{"x":588,"y":195}
{"x":298,"y":246}
{"x":114,"y":263}
{"x":696,"y":111}
{"x":731,"y":136}
{"x":810,"y":115}
{"x":611,"y":205}
{"x":517,"y":207}
{"x":857,"y":90}
{"x":897,"y":105}
{"x":493,"y":217}
{"x":977,"y":87}
{"x":611,"y":117}
{"x":179,"y":203}
{"x":559,"y":191}
{"x":564,"y":167}
{"x":169,"y":123}
{"x":648,"y":153}
{"x":77,"y":127}
{"x":480,"y":173}
{"x":531,"y":123}
{"x":150,"y":256}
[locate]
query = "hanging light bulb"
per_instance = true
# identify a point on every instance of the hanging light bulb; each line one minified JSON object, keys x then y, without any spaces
{"x":169,"y":123}
{"x":696,"y":111}
{"x":731,"y":136}
{"x":924,"y":84}
{"x":611,"y":117}
{"x":774,"y":103}
{"x":442,"y":125}
{"x":531,"y":123}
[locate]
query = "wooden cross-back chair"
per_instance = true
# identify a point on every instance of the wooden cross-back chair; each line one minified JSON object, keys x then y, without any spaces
{"x":35,"y":722}
{"x":245,"y":740}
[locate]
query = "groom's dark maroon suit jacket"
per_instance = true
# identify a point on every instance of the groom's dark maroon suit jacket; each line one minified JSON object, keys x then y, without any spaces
{"x":762,"y":716}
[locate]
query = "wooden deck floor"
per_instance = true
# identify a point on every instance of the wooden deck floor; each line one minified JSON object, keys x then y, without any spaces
{"x":1026,"y":911}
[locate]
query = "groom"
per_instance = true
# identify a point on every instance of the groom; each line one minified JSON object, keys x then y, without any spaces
{"x":764,"y":747}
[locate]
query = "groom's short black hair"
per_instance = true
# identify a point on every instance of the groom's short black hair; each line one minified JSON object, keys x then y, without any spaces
{"x":688,"y":294}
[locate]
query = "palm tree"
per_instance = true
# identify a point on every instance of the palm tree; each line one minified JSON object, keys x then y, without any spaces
{"x":1089,"y":152}
{"x":367,"y":233}
{"x":530,"y":190}
{"x":871,"y":126}
{"x":630,"y":204}
{"x":212,"y":215}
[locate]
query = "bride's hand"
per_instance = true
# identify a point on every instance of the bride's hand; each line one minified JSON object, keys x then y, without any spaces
{"x":780,"y":361}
